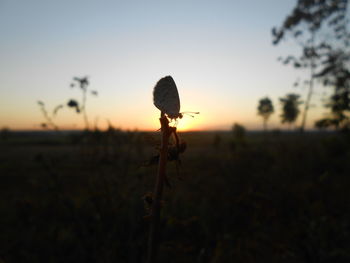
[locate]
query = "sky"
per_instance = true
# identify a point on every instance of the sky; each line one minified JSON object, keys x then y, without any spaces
{"x":219,"y":53}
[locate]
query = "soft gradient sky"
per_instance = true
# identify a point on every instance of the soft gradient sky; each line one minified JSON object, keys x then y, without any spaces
{"x":218,"y":52}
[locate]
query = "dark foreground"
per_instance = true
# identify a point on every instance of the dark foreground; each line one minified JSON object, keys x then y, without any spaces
{"x":256,"y":198}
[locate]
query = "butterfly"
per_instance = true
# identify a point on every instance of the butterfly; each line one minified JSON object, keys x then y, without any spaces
{"x":166,"y":98}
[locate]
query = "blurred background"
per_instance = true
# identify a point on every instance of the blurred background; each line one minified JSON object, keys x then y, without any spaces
{"x":261,"y":174}
{"x":219,"y":53}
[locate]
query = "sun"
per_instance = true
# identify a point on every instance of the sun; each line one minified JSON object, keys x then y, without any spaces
{"x":187,"y":123}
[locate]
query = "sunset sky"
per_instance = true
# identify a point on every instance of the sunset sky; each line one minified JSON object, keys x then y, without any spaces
{"x":219,"y":53}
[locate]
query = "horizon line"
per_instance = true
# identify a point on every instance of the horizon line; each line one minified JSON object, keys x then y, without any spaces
{"x":181,"y":131}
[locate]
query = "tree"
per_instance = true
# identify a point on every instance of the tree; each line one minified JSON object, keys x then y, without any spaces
{"x":265,"y":109}
{"x":290,"y":108}
{"x":320,"y":27}
{"x":239,"y":132}
{"x":339,"y":104}
{"x":337,"y":74}
{"x":239,"y":137}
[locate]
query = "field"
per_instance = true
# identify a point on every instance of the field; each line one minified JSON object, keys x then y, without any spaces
{"x":254,"y":197}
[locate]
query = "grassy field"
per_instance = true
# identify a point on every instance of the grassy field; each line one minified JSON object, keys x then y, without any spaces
{"x":258,"y":197}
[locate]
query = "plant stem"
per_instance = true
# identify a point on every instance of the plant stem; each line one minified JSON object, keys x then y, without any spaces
{"x":84,"y":108}
{"x":48,"y":119}
{"x":158,"y":191}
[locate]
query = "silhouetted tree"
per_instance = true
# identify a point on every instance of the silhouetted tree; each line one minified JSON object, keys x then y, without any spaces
{"x":265,"y":109}
{"x":290,"y":108}
{"x":238,"y":131}
{"x":336,"y":73}
{"x":320,"y":29}
{"x":239,"y":140}
{"x":339,"y":103}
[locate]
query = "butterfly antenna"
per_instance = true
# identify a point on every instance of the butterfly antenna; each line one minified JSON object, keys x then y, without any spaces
{"x":190,"y":113}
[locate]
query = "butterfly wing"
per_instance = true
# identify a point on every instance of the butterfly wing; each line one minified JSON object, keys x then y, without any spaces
{"x":166,"y":97}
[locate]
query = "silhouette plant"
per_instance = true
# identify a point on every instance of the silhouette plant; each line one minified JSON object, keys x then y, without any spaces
{"x":265,"y":109}
{"x":155,"y":200}
{"x":49,"y":118}
{"x":166,"y":99}
{"x":83,"y":84}
{"x":290,"y":108}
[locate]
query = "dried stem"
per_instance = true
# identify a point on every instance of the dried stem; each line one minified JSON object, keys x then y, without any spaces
{"x":84,"y":109}
{"x":48,"y":119}
{"x":158,"y":190}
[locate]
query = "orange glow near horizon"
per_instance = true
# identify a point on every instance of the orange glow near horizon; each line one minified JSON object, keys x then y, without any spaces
{"x":148,"y":120}
{"x":219,"y":69}
{"x":188,"y":123}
